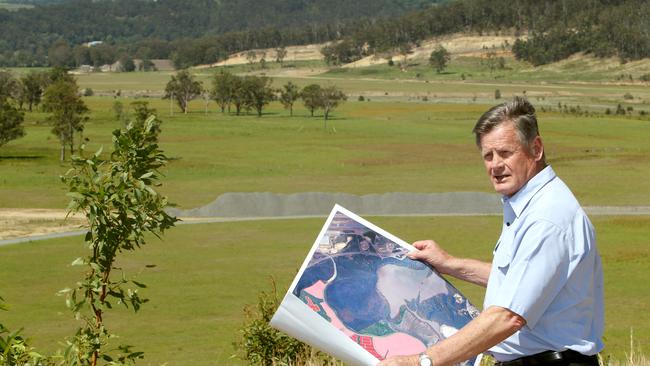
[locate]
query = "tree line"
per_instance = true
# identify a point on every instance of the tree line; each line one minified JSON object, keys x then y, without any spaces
{"x":57,"y":93}
{"x":239,"y":94}
{"x":138,"y":28}
{"x":201,"y":31}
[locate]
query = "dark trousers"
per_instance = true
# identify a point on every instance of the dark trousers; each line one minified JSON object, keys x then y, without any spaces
{"x":564,"y":358}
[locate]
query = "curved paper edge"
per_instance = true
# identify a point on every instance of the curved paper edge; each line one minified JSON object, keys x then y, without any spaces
{"x":296,"y":319}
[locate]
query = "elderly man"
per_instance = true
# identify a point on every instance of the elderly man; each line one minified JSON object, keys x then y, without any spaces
{"x":544,"y":299}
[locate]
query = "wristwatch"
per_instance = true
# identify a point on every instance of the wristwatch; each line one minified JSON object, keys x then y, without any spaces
{"x":425,"y":360}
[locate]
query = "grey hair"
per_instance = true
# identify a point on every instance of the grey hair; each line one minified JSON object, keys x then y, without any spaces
{"x":518,"y":111}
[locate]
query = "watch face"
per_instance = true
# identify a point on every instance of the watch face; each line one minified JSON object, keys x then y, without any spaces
{"x":425,"y":360}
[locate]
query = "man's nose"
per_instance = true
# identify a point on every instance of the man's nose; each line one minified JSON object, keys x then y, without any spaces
{"x":497,"y":162}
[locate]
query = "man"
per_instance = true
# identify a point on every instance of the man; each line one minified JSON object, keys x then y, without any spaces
{"x":544,"y":297}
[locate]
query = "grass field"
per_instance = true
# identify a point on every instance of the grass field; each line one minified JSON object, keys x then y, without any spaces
{"x":205,"y":274}
{"x":397,"y":141}
{"x":377,"y":147}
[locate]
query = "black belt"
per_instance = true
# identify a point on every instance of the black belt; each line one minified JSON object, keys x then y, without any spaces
{"x":551,"y":357}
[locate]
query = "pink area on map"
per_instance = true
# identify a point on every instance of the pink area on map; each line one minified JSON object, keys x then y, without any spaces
{"x":317,"y":289}
{"x":380,"y":347}
{"x":398,"y":344}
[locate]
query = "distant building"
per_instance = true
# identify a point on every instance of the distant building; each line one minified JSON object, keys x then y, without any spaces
{"x":114,"y":67}
{"x":85,"y":68}
{"x":93,"y":43}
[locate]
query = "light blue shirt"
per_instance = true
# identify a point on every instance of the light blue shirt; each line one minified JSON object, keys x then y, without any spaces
{"x":547,"y":269}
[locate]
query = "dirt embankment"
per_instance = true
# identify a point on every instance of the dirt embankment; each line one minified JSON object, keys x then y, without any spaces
{"x":23,"y":222}
{"x":456,"y":44}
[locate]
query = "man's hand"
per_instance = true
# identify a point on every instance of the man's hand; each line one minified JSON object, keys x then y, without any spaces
{"x":430,"y":252}
{"x":469,"y":270}
{"x":400,"y":361}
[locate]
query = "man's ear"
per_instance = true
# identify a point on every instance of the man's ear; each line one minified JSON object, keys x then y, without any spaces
{"x":538,"y":148}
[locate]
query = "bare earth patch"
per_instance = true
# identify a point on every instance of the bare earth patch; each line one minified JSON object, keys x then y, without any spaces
{"x":26,"y":222}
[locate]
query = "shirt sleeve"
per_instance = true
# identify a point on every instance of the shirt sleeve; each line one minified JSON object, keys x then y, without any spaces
{"x":535,"y":271}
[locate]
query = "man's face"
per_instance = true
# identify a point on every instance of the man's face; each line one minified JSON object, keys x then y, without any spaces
{"x":509,"y":164}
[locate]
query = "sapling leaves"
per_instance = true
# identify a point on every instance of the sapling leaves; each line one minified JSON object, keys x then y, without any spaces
{"x":121,"y":206}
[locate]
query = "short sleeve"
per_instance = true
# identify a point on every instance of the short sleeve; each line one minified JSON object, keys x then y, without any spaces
{"x":537,"y":271}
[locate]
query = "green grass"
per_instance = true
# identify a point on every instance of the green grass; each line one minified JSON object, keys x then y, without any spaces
{"x":394,"y":142}
{"x":595,"y":87}
{"x":205,"y":274}
{"x":377,"y":147}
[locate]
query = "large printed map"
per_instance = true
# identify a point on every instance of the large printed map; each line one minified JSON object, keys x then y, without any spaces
{"x":365,"y":286}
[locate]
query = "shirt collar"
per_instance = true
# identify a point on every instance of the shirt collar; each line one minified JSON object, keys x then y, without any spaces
{"x":519,"y":200}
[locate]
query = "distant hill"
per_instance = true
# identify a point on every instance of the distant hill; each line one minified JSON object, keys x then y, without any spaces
{"x":79,"y":21}
{"x":193,"y":32}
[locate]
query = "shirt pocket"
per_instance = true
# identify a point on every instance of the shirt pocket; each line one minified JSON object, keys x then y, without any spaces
{"x":503,"y":252}
{"x":502,"y":260}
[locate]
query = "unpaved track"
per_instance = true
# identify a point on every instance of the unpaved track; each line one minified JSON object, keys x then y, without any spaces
{"x":24,"y":225}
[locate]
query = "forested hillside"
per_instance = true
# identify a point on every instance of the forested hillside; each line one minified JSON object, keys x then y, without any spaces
{"x":193,"y":32}
{"x":27,"y":35}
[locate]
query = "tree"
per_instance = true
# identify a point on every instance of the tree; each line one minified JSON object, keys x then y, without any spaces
{"x":128,"y":65}
{"x":142,"y":113}
{"x":331,"y":97}
{"x":57,"y":74}
{"x":280,"y":54}
{"x":223,"y":86}
{"x":11,"y":120}
{"x":146,"y":65}
{"x":118,"y":111}
{"x":439,"y":58}
{"x":251,"y":56}
{"x":239,"y":95}
{"x":311,"y":97}
{"x":60,"y":54}
{"x":342,"y":52}
{"x":259,"y":92}
{"x":67,"y":110}
{"x":33,"y":84}
{"x":117,"y":197}
{"x":183,"y":88}
{"x":491,"y":60}
{"x":9,"y":86}
{"x":288,"y":96}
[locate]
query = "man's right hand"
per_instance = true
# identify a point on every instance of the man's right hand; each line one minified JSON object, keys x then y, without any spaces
{"x":429,"y":251}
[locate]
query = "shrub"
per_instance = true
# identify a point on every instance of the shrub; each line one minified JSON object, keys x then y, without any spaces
{"x":628,"y":96}
{"x":259,"y":344}
{"x":361,"y":98}
{"x":497,"y":94}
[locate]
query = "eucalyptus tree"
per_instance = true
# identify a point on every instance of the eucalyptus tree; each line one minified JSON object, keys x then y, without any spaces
{"x":289,"y":93}
{"x":68,"y":112}
{"x":183,"y":88}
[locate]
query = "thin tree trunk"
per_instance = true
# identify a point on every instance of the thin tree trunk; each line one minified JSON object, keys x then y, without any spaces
{"x":62,"y":154}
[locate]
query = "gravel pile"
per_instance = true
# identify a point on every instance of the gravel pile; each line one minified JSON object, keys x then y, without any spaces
{"x":266,"y":204}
